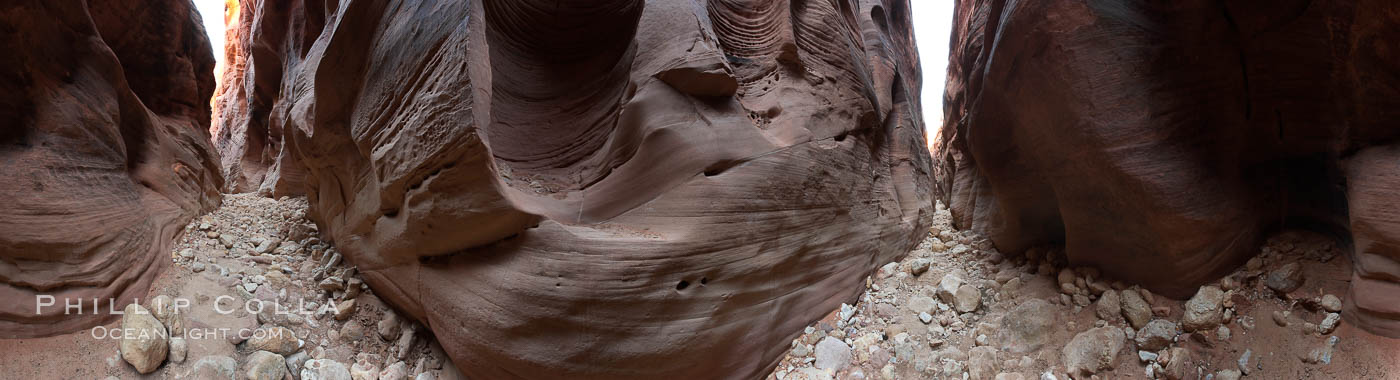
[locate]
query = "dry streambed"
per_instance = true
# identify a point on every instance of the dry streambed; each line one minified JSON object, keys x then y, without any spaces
{"x":955,"y":308}
{"x":253,"y":294}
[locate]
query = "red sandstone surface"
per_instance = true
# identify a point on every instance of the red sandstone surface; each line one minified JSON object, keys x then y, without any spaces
{"x":648,"y":189}
{"x":587,"y":190}
{"x":104,"y":153}
{"x":1162,"y":142}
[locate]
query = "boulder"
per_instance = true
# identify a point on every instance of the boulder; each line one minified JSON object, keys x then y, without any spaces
{"x":1028,"y":326}
{"x":364,"y":370}
{"x":263,"y":365}
{"x":275,"y":339}
{"x":352,"y":331}
{"x":1330,"y":303}
{"x":966,"y":299}
{"x":948,"y":286}
{"x":397,"y":371}
{"x":325,"y":369}
{"x":1329,"y":323}
{"x":919,"y":266}
{"x":922,"y":304}
{"x":982,"y":363}
{"x":1135,"y":309}
{"x":1204,"y":311}
{"x":1156,"y":335}
{"x":296,"y":362}
{"x":165,"y":309}
{"x":344,"y":309}
{"x":1180,"y":366}
{"x":1109,"y":306}
{"x":1093,"y":351}
{"x":178,"y":349}
{"x":1320,"y":354}
{"x":405,"y":343}
{"x":1065,"y":279}
{"x":212,"y":368}
{"x":144,"y":342}
{"x":389,"y":327}
{"x":832,"y":354}
{"x":1285,"y":278}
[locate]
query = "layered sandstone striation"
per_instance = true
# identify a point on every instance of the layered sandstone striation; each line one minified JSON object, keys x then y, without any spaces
{"x":1160,"y":141}
{"x":618,"y":189}
{"x":104,"y":153}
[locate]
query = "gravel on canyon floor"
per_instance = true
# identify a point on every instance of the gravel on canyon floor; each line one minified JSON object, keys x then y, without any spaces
{"x":254,"y":293}
{"x":953,"y":308}
{"x":956,"y":308}
{"x":314,"y":305}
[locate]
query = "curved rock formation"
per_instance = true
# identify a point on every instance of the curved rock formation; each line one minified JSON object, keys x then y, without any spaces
{"x":1373,"y":195}
{"x":105,"y":153}
{"x":601,"y":190}
{"x":1158,"y":141}
{"x":253,"y":153}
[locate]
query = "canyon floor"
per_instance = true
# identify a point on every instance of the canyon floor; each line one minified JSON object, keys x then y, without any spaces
{"x":953,"y":308}
{"x":253,"y":251}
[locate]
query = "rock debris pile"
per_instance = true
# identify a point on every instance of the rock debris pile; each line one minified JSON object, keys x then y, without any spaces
{"x":255,"y":276}
{"x":956,"y":308}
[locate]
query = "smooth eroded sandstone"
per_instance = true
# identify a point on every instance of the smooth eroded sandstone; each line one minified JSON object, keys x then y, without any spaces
{"x":614,"y":189}
{"x":104,"y":153}
{"x":1160,"y":141}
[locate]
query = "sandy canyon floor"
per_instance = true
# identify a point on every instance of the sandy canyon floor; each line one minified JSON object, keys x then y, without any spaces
{"x":954,"y":308}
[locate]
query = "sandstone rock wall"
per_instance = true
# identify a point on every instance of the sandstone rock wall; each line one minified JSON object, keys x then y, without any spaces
{"x":613,"y":189}
{"x":1159,"y":141}
{"x":104,"y":153}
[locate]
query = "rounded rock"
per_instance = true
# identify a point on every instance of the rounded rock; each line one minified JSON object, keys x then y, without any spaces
{"x":1204,"y":310}
{"x":919,"y":266}
{"x":165,"y":310}
{"x":263,"y":365}
{"x":145,"y":342}
{"x":1286,"y":278}
{"x":981,"y":363}
{"x":1028,"y":326}
{"x":1156,"y":335}
{"x":1331,"y":303}
{"x":397,"y":371}
{"x":275,"y":339}
{"x":212,"y":367}
{"x":967,"y":299}
{"x":832,"y":354}
{"x":1135,"y":309}
{"x":178,"y":349}
{"x":1109,"y":305}
{"x":324,"y":369}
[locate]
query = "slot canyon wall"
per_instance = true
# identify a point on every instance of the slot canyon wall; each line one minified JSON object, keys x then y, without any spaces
{"x":104,"y":152}
{"x":1160,"y":141}
{"x":615,"y":189}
